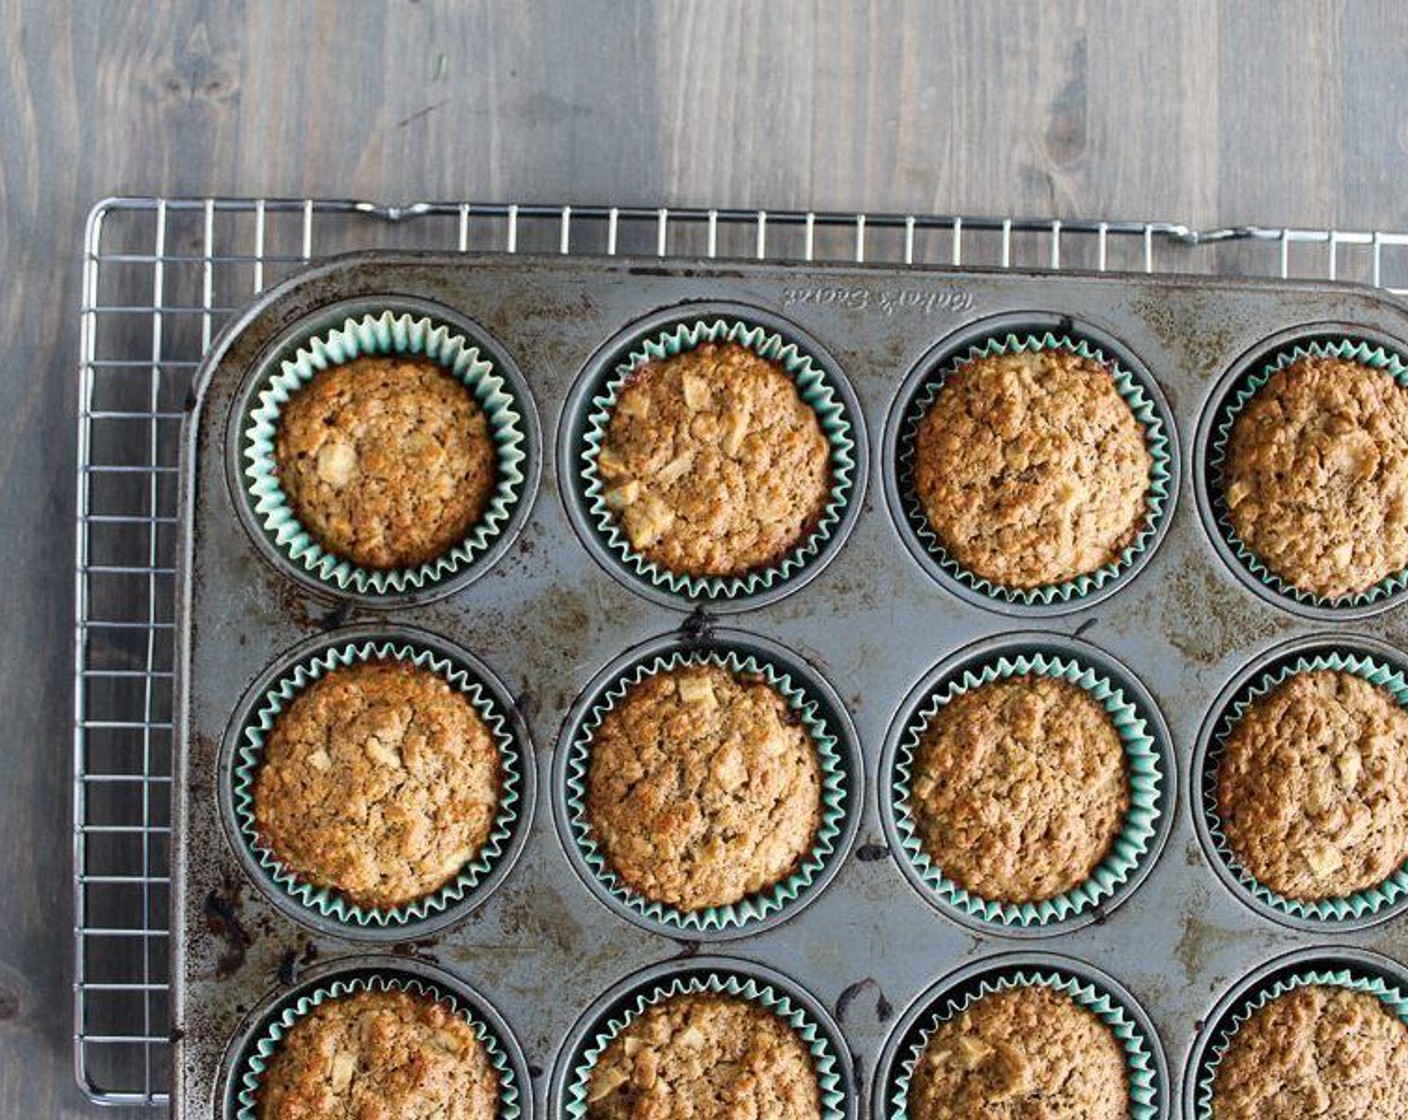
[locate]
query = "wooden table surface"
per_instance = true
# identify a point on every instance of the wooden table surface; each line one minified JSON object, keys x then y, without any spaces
{"x":1273,"y":112}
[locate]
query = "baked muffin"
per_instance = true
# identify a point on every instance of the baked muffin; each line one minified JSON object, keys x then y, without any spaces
{"x":380,"y":781}
{"x":1312,"y":788}
{"x":1317,"y":1051}
{"x":1316,"y":476}
{"x":712,"y":462}
{"x":694,"y":1057}
{"x":702,"y":788}
{"x":386,"y":461}
{"x":380,"y":1055}
{"x":1023,"y":1053}
{"x":1019,"y":788}
{"x":1031,"y":469}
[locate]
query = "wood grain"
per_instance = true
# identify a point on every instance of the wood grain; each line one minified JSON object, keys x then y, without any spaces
{"x":1208,"y":111}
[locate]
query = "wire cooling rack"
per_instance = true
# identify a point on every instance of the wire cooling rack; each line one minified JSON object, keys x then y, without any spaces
{"x":162,"y":276}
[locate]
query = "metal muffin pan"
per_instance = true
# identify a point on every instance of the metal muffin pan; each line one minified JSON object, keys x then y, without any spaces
{"x":548,"y":616}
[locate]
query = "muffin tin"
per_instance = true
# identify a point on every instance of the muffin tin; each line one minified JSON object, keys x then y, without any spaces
{"x":546,"y":614}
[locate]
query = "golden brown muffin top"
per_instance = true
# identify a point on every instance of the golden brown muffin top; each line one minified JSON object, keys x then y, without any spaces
{"x":1031,"y":469}
{"x":1318,"y":1051}
{"x":1019,"y":788}
{"x":1312,"y":788}
{"x":713,"y":463}
{"x":378,"y":1055}
{"x":702,"y":788}
{"x":1023,"y":1053}
{"x":386,"y":461}
{"x":700,"y":1057}
{"x":380,"y":781}
{"x":1316,"y":476}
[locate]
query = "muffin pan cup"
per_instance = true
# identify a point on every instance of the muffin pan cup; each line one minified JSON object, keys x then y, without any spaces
{"x":1148,"y":757}
{"x":255,"y":1046}
{"x":1033,"y":334}
{"x":811,"y":701}
{"x":861,"y":626}
{"x":325,"y":908}
{"x":1334,"y":966}
{"x":1375,"y":662}
{"x":820,"y":384}
{"x":1104,"y":997}
{"x":392,"y":328}
{"x":1236,"y":390}
{"x":618,"y":1007}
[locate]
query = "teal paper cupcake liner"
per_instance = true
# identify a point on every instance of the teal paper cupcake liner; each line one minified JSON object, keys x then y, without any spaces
{"x":815,"y":388}
{"x":266,"y":1044}
{"x":387,"y":333}
{"x":834,"y":796}
{"x":326,"y":901}
{"x":1391,"y":997}
{"x":1131,"y":846}
{"x":1139,"y":1055}
{"x":825,"y":1062}
{"x":1345,"y":349}
{"x":1357,"y":905}
{"x":1156,"y":440}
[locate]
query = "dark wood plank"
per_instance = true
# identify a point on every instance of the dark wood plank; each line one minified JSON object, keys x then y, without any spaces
{"x":1208,"y":111}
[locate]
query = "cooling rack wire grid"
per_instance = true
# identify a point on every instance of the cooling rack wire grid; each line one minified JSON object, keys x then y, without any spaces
{"x":161,"y":276}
